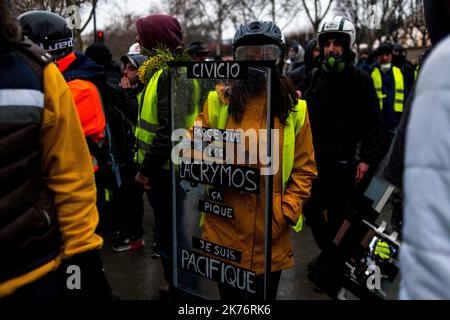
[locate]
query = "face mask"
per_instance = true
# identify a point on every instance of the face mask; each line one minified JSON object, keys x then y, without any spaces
{"x":333,"y":64}
{"x":385,"y":67}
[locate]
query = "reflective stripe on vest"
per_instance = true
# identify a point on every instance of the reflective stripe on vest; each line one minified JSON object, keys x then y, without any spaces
{"x":295,"y":123}
{"x":147,"y":117}
{"x":399,"y":90}
{"x":217,"y":111}
{"x":416,"y":72}
{"x":196,"y":105}
{"x":21,"y":105}
{"x":399,"y":96}
{"x":218,"y":116}
{"x":383,"y":250}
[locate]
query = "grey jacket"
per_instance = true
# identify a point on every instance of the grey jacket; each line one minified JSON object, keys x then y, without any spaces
{"x":425,"y":252}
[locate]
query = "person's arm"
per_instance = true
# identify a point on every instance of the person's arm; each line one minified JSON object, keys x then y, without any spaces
{"x":302,"y":175}
{"x":425,"y":252}
{"x":67,"y":165}
{"x":370,"y":124}
{"x":159,"y":152}
{"x":298,"y":187}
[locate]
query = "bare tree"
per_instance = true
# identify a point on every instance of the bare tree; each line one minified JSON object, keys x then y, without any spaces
{"x":415,"y":24}
{"x":400,"y":21}
{"x":223,"y":14}
{"x":193,"y":16}
{"x":59,"y":7}
{"x":124,"y":30}
{"x":317,"y":12}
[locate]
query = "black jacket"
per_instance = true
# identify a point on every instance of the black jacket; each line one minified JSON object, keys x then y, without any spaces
{"x":29,"y":232}
{"x":299,"y":74}
{"x":343,"y":110}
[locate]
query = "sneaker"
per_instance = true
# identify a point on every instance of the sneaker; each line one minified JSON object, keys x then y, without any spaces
{"x":128,"y":244}
{"x":155,"y":253}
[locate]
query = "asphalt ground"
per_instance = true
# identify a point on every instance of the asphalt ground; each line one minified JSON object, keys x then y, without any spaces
{"x":136,"y":275}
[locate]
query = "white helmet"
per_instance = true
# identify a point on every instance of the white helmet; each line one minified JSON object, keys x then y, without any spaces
{"x":338,"y":25}
{"x":134,"y":49}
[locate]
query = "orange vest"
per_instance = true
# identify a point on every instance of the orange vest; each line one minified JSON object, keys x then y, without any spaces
{"x":89,"y":105}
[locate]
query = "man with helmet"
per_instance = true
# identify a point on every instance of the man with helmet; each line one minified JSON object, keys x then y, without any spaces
{"x":425,"y":254}
{"x":47,"y":192}
{"x":344,"y":113}
{"x":84,"y":77}
{"x":243,"y":106}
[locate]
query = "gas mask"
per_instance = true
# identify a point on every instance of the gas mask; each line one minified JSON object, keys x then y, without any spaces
{"x":333,"y":64}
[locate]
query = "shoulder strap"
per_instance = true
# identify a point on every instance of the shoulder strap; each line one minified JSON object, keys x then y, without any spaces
{"x":34,"y":55}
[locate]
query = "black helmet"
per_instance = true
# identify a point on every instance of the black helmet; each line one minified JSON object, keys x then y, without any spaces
{"x":258,"y":33}
{"x":48,"y":30}
{"x":385,"y":47}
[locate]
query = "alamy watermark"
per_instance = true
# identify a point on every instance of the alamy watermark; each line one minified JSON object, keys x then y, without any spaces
{"x":73,"y":17}
{"x":240,"y":147}
{"x":372,"y":17}
{"x":73,"y":281}
{"x":373,"y":282}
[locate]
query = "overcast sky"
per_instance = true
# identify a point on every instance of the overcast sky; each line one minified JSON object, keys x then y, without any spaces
{"x":108,"y":9}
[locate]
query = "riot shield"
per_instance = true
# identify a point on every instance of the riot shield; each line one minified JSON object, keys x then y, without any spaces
{"x":222,"y":172}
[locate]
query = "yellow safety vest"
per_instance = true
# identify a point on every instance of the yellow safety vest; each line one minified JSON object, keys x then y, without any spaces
{"x":147,"y":117}
{"x":190,"y":119}
{"x":218,"y":116}
{"x":416,"y":72}
{"x":399,"y":97}
{"x":383,"y":250}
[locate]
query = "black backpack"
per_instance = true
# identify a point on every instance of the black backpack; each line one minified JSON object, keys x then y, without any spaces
{"x":117,"y":149}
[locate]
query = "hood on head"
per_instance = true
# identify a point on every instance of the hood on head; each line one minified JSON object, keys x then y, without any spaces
{"x":159,"y":30}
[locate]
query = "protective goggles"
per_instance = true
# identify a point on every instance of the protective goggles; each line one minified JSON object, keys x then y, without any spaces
{"x":263,"y":52}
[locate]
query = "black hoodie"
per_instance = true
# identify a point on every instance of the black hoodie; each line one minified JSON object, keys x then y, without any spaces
{"x":299,"y":74}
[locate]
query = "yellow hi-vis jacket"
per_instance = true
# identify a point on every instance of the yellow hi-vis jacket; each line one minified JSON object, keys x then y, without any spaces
{"x":291,"y":185}
{"x":148,"y":123}
{"x":399,"y":89}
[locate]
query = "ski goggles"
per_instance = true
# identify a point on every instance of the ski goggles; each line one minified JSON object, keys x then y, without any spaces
{"x":263,"y":52}
{"x":60,"y":44}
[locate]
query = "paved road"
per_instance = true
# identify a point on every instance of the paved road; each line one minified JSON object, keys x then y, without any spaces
{"x":135,"y":275}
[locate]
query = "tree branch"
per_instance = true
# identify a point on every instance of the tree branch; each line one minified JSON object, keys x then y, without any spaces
{"x":308,"y":13}
{"x":94,"y":4}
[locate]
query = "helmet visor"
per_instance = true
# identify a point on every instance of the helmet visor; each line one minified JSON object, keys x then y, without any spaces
{"x":263,"y":52}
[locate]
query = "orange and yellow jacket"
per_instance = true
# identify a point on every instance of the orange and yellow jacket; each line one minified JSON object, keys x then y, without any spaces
{"x":86,"y":95}
{"x":291,"y":185}
{"x":68,"y":170}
